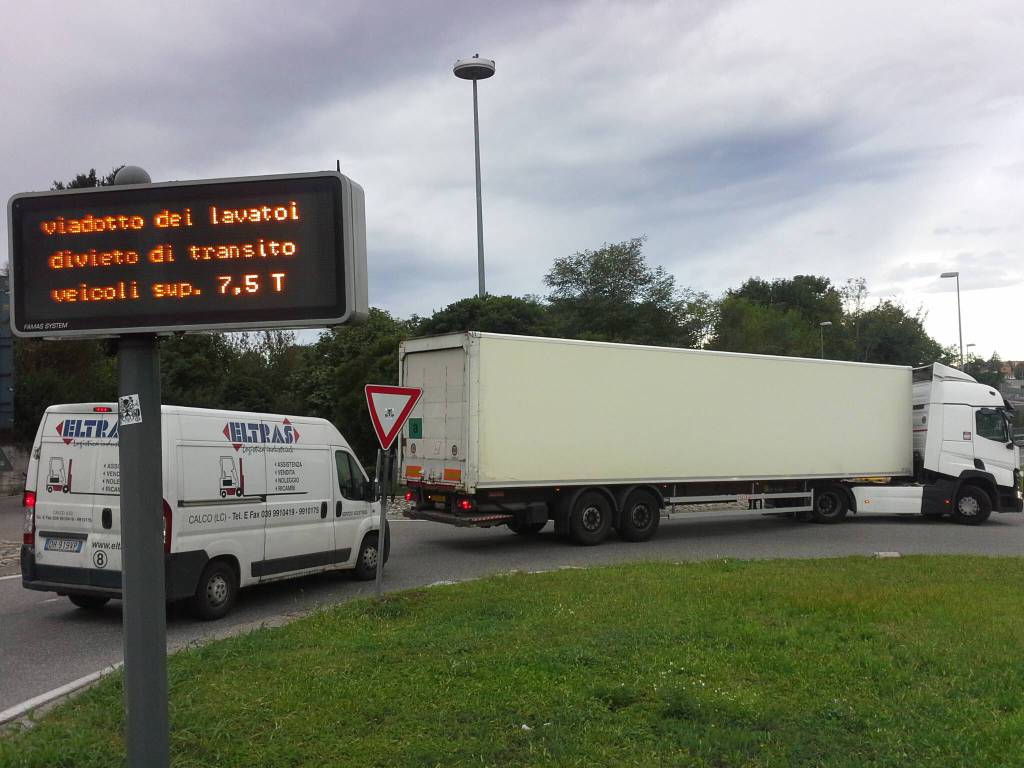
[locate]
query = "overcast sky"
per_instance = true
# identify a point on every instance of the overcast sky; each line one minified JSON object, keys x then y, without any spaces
{"x":769,"y":138}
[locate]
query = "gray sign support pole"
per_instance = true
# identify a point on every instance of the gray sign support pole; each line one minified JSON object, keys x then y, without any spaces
{"x":142,"y":549}
{"x":382,"y":476}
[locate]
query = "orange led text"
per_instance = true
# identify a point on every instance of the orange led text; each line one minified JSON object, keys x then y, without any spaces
{"x":289,"y":212}
{"x":261,"y":249}
{"x":92,"y":258}
{"x":167,"y":218}
{"x":82,"y":292}
{"x":89,"y":223}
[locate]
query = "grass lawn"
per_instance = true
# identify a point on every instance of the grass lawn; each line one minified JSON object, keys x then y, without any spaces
{"x":916,"y":661}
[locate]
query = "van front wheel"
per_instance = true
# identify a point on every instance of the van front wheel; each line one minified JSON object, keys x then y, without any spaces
{"x":216,"y":591}
{"x":366,"y":562}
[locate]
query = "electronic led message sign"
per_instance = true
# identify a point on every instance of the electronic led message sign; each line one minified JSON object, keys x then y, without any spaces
{"x":283,"y":251}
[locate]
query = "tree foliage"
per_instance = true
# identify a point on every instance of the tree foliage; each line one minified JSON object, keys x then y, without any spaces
{"x":340,"y":364}
{"x":612,"y":294}
{"x":525,"y":316}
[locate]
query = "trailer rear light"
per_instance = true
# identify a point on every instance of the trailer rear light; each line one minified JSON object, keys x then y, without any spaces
{"x":465,"y":504}
{"x":168,"y":517}
{"x":28,"y":536}
{"x":410,"y":496}
{"x":102,"y":409}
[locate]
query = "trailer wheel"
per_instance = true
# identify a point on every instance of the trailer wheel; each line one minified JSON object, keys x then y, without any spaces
{"x":590,"y":519}
{"x":640,"y":516}
{"x":973,"y":506}
{"x":829,"y":504}
{"x":89,"y":602}
{"x":525,"y":529}
{"x":216,"y":591}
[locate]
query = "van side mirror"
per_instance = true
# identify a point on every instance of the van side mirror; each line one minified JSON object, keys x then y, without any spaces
{"x":371,"y":490}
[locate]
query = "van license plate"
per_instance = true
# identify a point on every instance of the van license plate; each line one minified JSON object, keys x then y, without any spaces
{"x":63,"y":545}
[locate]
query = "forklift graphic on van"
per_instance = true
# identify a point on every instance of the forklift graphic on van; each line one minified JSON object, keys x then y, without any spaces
{"x":232,"y":483}
{"x":56,"y":478}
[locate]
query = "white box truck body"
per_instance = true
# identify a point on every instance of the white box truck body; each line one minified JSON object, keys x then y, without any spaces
{"x":516,"y":430}
{"x":248,"y":498}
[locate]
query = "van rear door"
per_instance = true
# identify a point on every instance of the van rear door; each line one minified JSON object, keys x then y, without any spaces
{"x":66,"y":515}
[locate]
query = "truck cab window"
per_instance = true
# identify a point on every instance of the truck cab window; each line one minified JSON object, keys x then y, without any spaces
{"x":348,"y":483}
{"x":991,"y":425}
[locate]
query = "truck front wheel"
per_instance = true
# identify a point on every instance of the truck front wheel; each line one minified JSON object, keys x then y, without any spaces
{"x":590,"y":519}
{"x":640,"y":516}
{"x":973,"y":506}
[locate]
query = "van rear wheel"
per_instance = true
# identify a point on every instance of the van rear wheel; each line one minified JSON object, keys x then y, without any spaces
{"x":216,"y":591}
{"x":89,"y":602}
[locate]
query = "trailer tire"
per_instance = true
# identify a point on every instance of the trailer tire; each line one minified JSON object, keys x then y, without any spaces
{"x":640,"y":516}
{"x":973,"y":506}
{"x":89,"y":602}
{"x":590,"y":519}
{"x":830,"y":504}
{"x":216,"y":591}
{"x":525,"y":529}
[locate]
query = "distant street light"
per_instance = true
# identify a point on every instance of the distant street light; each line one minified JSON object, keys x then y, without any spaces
{"x":968,"y":348}
{"x":476,"y":69}
{"x":959,"y":325}
{"x":821,"y":330}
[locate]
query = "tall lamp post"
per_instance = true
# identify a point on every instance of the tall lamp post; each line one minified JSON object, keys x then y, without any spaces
{"x":959,"y":325}
{"x":476,"y":69}
{"x":821,"y":329}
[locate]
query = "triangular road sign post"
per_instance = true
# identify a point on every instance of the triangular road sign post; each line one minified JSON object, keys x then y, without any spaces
{"x":390,"y":407}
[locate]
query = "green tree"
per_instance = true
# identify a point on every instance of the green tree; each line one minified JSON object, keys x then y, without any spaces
{"x":887,"y":333}
{"x":525,"y":316}
{"x":86,"y":180}
{"x":340,"y":364}
{"x":612,"y":294}
{"x":51,"y":372}
{"x":783,"y":317}
{"x":986,"y":371}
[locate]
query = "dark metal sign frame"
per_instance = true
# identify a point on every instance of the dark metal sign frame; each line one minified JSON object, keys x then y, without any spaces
{"x":332,"y":241}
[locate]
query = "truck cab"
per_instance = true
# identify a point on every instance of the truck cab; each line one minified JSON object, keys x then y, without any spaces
{"x":963,"y":437}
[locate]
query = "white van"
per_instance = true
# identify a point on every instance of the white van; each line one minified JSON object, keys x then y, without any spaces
{"x":248,"y":498}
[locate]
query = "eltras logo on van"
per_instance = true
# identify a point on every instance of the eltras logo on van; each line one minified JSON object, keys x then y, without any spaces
{"x":96,"y":429}
{"x":241,"y":432}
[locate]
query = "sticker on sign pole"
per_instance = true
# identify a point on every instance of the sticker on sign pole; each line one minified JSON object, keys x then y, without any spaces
{"x":390,"y":406}
{"x":129,"y":410}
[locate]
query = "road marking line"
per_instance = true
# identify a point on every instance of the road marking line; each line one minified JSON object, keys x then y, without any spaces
{"x":15,"y":576}
{"x":51,"y":600}
{"x":20,"y":710}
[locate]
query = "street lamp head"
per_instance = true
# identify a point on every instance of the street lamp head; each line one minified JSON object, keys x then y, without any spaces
{"x":950,"y":274}
{"x":825,"y":324}
{"x":474,"y":68}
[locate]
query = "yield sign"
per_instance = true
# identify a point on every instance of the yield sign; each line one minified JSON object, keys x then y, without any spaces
{"x":389,"y":408}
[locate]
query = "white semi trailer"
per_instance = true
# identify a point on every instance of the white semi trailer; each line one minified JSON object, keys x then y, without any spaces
{"x":517,"y":431}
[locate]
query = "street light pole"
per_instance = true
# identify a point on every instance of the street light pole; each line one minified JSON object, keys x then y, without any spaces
{"x":476,"y":69}
{"x":821,"y":329}
{"x":959,"y":324}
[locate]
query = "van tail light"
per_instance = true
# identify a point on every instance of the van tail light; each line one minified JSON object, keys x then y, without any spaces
{"x":168,"y":517}
{"x":28,"y":536}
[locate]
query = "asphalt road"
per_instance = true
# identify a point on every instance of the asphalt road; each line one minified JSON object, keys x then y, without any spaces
{"x":45,"y":642}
